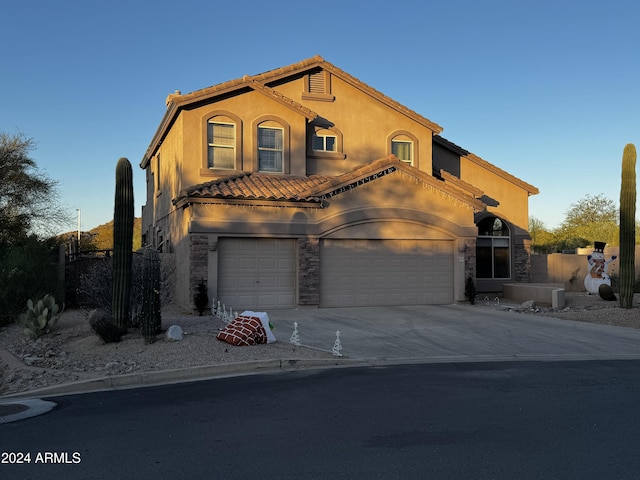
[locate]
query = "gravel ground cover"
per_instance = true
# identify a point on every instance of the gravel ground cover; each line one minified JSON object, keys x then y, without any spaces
{"x":72,"y":352}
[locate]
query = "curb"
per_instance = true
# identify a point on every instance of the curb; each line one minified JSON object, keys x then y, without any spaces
{"x":179,"y":375}
{"x":19,"y":406}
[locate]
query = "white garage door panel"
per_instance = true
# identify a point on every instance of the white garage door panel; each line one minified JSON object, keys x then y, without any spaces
{"x":386,"y":272}
{"x":256,"y":273}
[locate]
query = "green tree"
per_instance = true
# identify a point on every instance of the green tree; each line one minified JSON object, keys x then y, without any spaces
{"x":593,"y":218}
{"x":28,"y":197}
{"x":542,"y":240}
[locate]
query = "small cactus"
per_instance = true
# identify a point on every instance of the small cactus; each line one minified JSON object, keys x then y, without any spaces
{"x":151,"y":316}
{"x":40,"y":318}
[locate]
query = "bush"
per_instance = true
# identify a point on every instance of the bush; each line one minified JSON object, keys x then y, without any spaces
{"x":96,"y":283}
{"x":27,"y":270}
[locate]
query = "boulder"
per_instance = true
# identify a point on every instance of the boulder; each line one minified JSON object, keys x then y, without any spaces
{"x":174,"y":333}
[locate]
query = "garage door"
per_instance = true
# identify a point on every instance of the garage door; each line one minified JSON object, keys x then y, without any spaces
{"x":256,"y":273}
{"x":385,"y":272}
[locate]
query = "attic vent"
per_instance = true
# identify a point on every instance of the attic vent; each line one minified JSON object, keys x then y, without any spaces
{"x":316,"y":82}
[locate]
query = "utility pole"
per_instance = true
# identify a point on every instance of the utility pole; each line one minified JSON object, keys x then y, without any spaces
{"x":78,"y":225}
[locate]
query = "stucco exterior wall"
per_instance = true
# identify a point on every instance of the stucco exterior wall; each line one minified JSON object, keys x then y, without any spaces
{"x":366,"y":136}
{"x":511,"y":200}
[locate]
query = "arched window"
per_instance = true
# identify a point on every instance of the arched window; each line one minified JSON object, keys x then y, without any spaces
{"x":404,"y":145}
{"x":223,"y":137}
{"x":272,"y":142}
{"x":493,"y":249}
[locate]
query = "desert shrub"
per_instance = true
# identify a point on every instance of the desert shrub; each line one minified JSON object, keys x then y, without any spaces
{"x":96,"y":284}
{"x":27,"y":270}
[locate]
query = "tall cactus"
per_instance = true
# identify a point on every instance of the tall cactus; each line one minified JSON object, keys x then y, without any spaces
{"x":151,"y":317}
{"x":122,"y":243}
{"x":627,"y":226}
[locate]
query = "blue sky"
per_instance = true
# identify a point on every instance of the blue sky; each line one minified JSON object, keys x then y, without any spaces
{"x":547,"y":90}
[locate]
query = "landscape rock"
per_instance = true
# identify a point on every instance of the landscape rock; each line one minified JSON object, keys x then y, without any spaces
{"x":174,"y":333}
{"x":526,"y":306}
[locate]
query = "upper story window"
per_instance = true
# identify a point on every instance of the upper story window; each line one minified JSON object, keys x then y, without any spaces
{"x":221,"y":140}
{"x":270,"y":149}
{"x":403,"y":150}
{"x":158,"y":173}
{"x":323,"y":142}
{"x":404,"y":145}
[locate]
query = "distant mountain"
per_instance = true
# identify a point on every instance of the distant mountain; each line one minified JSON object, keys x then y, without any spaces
{"x":101,"y":237}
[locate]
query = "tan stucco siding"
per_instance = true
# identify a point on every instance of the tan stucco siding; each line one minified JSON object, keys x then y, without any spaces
{"x":366,"y":125}
{"x":164,"y":168}
{"x":512,"y":200}
{"x":249,"y":109}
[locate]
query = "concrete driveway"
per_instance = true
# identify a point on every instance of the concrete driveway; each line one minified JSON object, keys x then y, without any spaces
{"x":453,"y":333}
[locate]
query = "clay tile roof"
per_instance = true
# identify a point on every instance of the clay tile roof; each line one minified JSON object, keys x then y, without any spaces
{"x":256,"y":186}
{"x":284,"y":188}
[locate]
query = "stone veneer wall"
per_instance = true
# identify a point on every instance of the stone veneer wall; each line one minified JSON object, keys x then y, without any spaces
{"x":198,"y":263}
{"x":522,"y":261}
{"x":470,"y":259}
{"x":309,"y":271}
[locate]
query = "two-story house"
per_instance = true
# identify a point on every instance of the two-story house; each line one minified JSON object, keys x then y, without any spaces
{"x":305,"y":186}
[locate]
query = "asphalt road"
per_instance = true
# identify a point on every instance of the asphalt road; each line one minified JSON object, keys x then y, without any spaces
{"x":513,"y":420}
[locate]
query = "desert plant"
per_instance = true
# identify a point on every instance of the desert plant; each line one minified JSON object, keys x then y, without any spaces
{"x":103,"y":327}
{"x":606,"y":293}
{"x":627,"y":226}
{"x":122,"y":243}
{"x":470,"y":290}
{"x":151,"y":317}
{"x":201,"y":298}
{"x":41,"y":317}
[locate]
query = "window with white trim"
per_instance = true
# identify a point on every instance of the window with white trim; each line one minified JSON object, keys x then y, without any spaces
{"x":323,"y":142}
{"x":403,"y":149}
{"x":270,"y":149}
{"x":493,"y":249}
{"x":221,"y":139}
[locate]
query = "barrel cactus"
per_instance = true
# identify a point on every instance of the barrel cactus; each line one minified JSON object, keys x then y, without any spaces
{"x":627,"y":226}
{"x":123,"y":217}
{"x":151,"y":316}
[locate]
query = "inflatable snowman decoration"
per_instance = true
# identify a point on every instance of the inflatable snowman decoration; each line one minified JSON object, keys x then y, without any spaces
{"x":598,"y":269}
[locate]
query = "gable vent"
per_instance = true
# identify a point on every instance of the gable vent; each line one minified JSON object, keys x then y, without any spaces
{"x":316,"y":82}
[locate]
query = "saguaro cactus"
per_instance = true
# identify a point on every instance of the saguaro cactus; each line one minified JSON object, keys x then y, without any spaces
{"x":627,"y":226}
{"x":151,"y":317}
{"x":122,"y":243}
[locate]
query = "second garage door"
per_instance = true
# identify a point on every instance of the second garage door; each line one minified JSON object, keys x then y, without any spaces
{"x":358,"y":272}
{"x":257,"y":273}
